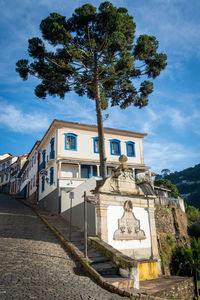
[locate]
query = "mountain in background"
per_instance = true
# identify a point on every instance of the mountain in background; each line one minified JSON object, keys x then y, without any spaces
{"x":188,"y":184}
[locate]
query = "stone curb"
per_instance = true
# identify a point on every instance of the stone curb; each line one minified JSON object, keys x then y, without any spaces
{"x":78,"y":255}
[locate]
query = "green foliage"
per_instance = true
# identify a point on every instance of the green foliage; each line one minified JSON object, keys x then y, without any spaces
{"x":93,"y":42}
{"x":194,"y":230}
{"x":185,"y":259}
{"x":182,"y":261}
{"x":168,"y":243}
{"x":168,"y":184}
{"x":188,"y":183}
{"x":93,"y":53}
{"x":193,"y":214}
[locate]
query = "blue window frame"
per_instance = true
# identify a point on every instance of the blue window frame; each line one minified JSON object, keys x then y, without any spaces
{"x":96,"y":144}
{"x":130,"y":149}
{"x":70,"y":141}
{"x":115,"y":147}
{"x":43,"y":155}
{"x":51,"y":175}
{"x":43,"y":163}
{"x":85,"y":171}
{"x":43,"y":184}
{"x":52,"y":153}
{"x":94,"y":170}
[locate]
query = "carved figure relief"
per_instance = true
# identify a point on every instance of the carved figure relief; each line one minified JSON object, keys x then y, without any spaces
{"x":128,"y":225}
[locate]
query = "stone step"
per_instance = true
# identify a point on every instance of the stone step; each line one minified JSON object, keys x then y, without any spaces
{"x":98,"y":260}
{"x":79,"y":245}
{"x":120,"y":282}
{"x":105,"y":268}
{"x":92,"y":253}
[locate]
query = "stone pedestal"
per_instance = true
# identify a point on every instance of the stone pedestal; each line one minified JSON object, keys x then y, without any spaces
{"x":125,"y":217}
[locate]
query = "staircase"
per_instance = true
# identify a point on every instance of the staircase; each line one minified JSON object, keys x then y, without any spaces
{"x":103,"y":265}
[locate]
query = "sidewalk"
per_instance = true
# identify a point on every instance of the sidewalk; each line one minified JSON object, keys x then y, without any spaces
{"x":100,"y":267}
{"x":96,"y":263}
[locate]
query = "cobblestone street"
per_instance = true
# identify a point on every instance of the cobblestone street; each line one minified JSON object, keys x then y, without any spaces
{"x":34,"y":265}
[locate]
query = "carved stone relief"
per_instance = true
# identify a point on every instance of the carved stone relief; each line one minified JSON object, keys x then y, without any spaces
{"x":128,"y":225}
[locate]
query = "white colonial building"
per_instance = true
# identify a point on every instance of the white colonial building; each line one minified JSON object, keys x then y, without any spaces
{"x":9,"y":168}
{"x":28,"y":175}
{"x":69,"y":156}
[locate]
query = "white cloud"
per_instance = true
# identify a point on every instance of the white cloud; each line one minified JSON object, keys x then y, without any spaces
{"x":173,"y":156}
{"x":73,"y":108}
{"x":18,"y":121}
{"x":175,"y":24}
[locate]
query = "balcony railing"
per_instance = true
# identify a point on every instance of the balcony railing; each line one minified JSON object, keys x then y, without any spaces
{"x":42,"y":165}
{"x":52,"y":154}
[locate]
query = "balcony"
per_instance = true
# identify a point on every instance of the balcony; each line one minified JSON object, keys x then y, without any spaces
{"x":42,"y":165}
{"x":52,"y":155}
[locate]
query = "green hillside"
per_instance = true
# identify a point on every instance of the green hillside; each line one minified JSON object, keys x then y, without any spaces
{"x":188,"y":184}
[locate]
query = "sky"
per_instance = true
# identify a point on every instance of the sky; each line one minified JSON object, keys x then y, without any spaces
{"x":172,"y":118}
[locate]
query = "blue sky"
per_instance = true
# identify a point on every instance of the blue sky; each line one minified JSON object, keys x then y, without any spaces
{"x":172,"y":118}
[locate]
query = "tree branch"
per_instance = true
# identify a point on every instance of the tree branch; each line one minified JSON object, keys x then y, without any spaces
{"x":89,"y":40}
{"x":111,"y":76}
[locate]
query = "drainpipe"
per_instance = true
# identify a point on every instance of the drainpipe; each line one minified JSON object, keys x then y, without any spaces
{"x":58,"y":185}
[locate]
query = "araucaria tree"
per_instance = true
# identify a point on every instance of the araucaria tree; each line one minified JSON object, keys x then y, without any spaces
{"x":94,"y":54}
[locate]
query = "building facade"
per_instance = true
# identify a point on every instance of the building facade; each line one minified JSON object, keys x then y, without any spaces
{"x":69,"y":156}
{"x":28,"y":176}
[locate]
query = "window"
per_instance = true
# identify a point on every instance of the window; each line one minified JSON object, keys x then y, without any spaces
{"x":43,"y":155}
{"x":43,"y":183}
{"x":43,"y":163}
{"x":85,"y":171}
{"x":96,"y":144}
{"x":52,"y":152}
{"x":70,"y":141}
{"x":115,"y":147}
{"x":51,"y":175}
{"x":130,"y":149}
{"x":94,"y":170}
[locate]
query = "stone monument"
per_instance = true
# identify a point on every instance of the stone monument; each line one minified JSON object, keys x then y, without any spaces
{"x":125,"y":219}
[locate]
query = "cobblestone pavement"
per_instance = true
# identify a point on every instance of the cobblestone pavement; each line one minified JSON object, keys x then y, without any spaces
{"x":34,"y":265}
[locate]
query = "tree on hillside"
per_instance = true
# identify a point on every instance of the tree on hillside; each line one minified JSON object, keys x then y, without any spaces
{"x":94,"y":53}
{"x":169,"y":185}
{"x":165,"y":172}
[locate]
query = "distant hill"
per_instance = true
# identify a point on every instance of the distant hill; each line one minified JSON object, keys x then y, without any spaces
{"x":188,"y":184}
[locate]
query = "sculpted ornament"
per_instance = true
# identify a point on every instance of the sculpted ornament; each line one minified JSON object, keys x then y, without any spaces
{"x":128,"y":225}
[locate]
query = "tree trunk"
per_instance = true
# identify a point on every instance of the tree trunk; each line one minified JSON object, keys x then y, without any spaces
{"x":102,"y":155}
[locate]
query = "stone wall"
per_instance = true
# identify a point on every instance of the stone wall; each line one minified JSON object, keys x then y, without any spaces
{"x":183,"y":290}
{"x":164,"y":220}
{"x":171,"y":228}
{"x":171,"y":220}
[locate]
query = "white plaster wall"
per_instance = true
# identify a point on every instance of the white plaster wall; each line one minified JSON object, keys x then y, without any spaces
{"x":70,"y":184}
{"x":47,"y":146}
{"x":85,"y":147}
{"x":68,"y":170}
{"x":3,"y":156}
{"x":33,"y":171}
{"x":116,"y":212}
{"x":48,"y":188}
{"x":12,"y":161}
{"x":78,"y":205}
